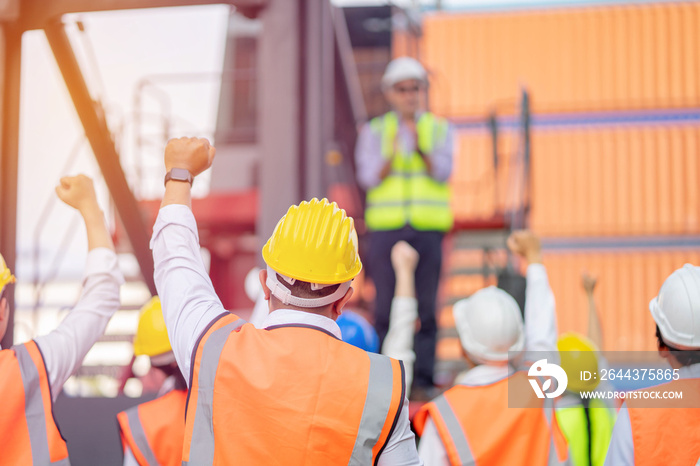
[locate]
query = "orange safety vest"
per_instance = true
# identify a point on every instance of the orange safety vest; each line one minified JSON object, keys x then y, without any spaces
{"x":28,"y":432}
{"x":288,"y":395}
{"x":666,"y":430}
{"x":477,"y":427}
{"x":154,"y":431}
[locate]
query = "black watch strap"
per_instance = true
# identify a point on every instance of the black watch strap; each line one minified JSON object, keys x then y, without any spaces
{"x":179,"y":174}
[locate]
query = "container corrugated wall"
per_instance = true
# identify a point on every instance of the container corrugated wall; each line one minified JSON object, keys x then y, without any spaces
{"x":598,"y":181}
{"x":571,"y":59}
{"x":627,"y":282}
{"x":617,"y":178}
{"x":616,"y":181}
{"x":479,"y":190}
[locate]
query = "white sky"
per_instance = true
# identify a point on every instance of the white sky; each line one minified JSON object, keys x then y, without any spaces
{"x":128,"y":47}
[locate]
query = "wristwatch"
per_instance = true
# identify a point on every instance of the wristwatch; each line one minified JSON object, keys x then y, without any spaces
{"x":179,"y":174}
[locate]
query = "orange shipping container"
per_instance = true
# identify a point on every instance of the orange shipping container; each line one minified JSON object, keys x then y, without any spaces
{"x":627,"y":281}
{"x":594,"y":181}
{"x":574,"y":59}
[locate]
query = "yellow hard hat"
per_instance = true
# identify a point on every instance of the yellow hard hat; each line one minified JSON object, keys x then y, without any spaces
{"x":151,"y":336}
{"x":578,"y":353}
{"x":5,"y":274}
{"x":314,"y":242}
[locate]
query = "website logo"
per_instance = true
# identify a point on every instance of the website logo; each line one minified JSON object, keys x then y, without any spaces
{"x":544,"y":372}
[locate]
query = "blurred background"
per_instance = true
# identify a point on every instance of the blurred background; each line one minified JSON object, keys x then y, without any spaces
{"x":578,"y":119}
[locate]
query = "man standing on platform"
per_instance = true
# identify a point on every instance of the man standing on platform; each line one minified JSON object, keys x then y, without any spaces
{"x":404,"y":159}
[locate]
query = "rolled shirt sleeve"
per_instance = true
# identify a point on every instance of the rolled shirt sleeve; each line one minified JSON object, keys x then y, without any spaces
{"x":65,"y":347}
{"x":186,"y":293}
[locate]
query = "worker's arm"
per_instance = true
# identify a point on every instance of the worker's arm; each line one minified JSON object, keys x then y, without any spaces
{"x":621,"y":449}
{"x":430,"y":448}
{"x":65,"y":348}
{"x":540,"y":315}
{"x":398,"y":342}
{"x":595,"y":331}
{"x":372,"y":167}
{"x":186,"y":293}
{"x":400,"y":449}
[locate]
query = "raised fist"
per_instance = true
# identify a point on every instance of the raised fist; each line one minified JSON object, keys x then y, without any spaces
{"x":192,"y":154}
{"x":404,"y":257}
{"x":77,"y":191}
{"x":588,"y":281}
{"x":526,"y":244}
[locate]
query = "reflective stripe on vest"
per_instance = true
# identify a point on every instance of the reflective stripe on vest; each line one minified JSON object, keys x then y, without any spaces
{"x":144,"y":454}
{"x":464,"y":453}
{"x":202,"y":444}
{"x":513,"y":436}
{"x":154,"y":431}
{"x":409,"y":195}
{"x":549,"y":414}
{"x":45,"y":441}
{"x":340,"y":424}
{"x":376,"y":410}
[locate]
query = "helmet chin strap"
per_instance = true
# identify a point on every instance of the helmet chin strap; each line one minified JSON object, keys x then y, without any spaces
{"x":284,"y":294}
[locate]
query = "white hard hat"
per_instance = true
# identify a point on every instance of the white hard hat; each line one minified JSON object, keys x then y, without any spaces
{"x":676,"y":310}
{"x":401,"y":69}
{"x":490,"y":325}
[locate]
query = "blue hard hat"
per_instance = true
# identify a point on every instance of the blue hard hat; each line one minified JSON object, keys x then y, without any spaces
{"x":358,"y":332}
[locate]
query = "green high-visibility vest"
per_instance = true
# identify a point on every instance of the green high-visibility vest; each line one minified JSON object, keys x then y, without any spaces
{"x":409,"y":195}
{"x":573,"y":423}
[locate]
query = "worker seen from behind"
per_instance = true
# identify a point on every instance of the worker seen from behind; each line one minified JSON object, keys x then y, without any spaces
{"x":403,"y":160}
{"x":32,"y":374}
{"x":293,"y":392}
{"x":492,"y":416}
{"x":654,"y":425}
{"x":152,"y":433}
{"x":586,"y":423}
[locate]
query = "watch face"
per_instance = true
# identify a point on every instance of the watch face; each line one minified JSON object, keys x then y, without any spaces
{"x":179,"y":174}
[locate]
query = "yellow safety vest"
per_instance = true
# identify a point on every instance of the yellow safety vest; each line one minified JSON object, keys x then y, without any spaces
{"x":409,"y":195}
{"x":572,"y":420}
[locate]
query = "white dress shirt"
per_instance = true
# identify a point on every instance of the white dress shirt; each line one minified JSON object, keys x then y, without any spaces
{"x":398,"y":343}
{"x":190,"y":304}
{"x":621,"y":449}
{"x":540,"y":335}
{"x":66,"y":346}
